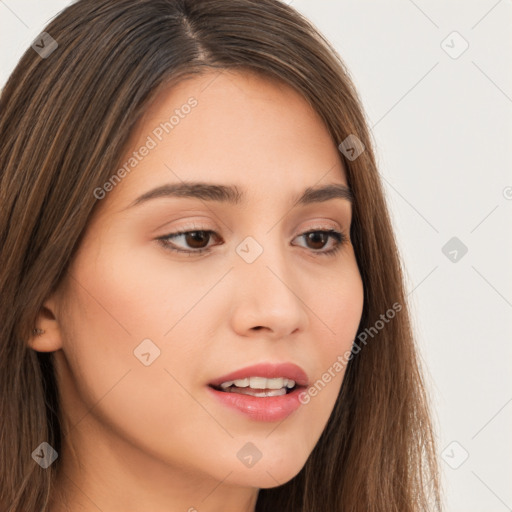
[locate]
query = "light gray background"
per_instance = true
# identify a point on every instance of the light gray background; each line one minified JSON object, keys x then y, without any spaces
{"x":442,"y":128}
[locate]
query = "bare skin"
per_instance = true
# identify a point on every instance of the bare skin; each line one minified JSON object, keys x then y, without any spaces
{"x":139,"y":437}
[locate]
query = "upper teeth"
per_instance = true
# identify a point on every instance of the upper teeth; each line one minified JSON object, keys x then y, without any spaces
{"x":260,"y":383}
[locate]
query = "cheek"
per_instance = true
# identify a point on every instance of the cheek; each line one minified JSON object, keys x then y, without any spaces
{"x":339,"y":305}
{"x":148,"y":406}
{"x":149,"y":293}
{"x":114,"y":310}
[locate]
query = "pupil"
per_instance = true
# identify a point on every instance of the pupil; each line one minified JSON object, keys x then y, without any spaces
{"x":197,"y":236}
{"x":314,"y":235}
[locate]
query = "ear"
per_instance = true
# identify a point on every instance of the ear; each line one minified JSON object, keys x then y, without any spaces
{"x":49,"y":334}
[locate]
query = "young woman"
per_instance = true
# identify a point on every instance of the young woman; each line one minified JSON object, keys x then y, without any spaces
{"x":202,"y":305}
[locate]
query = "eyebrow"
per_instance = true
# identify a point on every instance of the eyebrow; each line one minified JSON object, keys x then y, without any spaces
{"x":233,"y":195}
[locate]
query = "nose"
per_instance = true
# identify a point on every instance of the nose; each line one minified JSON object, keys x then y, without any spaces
{"x":268,"y":297}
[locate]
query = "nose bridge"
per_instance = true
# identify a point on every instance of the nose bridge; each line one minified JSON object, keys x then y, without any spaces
{"x":264,"y":260}
{"x":269,"y":296}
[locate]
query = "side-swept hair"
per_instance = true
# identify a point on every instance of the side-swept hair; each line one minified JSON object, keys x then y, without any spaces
{"x":65,"y":123}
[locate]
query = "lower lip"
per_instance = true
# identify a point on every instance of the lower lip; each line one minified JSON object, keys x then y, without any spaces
{"x":266,"y":408}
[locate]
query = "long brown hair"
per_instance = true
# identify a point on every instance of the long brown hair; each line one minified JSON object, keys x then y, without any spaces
{"x":66,"y":119}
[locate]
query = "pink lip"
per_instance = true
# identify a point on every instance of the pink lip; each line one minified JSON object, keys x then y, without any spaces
{"x":267,"y":408}
{"x":269,"y":371}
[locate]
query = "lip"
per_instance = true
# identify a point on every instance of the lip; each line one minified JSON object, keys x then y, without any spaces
{"x":269,"y":371}
{"x":267,"y":408}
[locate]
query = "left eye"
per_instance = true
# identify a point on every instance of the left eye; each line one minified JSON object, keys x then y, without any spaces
{"x":197,"y":240}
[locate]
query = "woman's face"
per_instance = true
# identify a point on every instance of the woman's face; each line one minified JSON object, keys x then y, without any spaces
{"x":144,"y":329}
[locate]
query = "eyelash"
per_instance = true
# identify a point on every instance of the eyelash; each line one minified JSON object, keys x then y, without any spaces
{"x":340,"y":238}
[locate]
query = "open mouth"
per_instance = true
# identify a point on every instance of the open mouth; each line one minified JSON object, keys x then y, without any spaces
{"x":247,"y":390}
{"x":262,"y":397}
{"x":270,"y":380}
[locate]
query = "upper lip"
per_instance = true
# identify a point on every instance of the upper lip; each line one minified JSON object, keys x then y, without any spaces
{"x":267,"y":370}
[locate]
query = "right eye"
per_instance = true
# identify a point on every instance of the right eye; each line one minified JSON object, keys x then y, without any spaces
{"x":195,"y":239}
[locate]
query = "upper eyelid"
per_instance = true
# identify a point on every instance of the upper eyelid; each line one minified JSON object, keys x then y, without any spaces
{"x":321,"y":224}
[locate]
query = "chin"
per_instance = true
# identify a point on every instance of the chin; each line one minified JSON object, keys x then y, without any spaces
{"x":265,"y":476}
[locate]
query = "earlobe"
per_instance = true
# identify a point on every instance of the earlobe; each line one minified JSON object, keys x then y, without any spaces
{"x":46,"y":334}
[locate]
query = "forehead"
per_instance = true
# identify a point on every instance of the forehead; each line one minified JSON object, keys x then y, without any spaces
{"x":231,"y":127}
